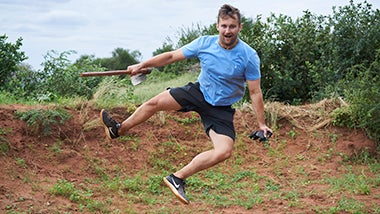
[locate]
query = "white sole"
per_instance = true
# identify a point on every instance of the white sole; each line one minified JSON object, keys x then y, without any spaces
{"x":174,"y":190}
{"x":104,"y":125}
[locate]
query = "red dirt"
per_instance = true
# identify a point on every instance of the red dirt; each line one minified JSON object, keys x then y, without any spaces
{"x":24,"y":186}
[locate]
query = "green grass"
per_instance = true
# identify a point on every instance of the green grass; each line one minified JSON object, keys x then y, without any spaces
{"x":157,"y":83}
{"x":344,"y":205}
{"x":114,"y":92}
{"x":21,"y":162}
{"x":353,"y":183}
{"x":8,"y":98}
{"x":56,"y":148}
{"x":80,"y":195}
{"x":4,"y":143}
{"x":188,"y":120}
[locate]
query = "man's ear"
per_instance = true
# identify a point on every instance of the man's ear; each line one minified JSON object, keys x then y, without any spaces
{"x":217,"y":26}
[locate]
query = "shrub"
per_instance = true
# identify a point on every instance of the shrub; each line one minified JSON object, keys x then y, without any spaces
{"x":361,"y":89}
{"x":41,"y":120}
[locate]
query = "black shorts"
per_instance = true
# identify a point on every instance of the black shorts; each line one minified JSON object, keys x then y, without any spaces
{"x":217,"y":118}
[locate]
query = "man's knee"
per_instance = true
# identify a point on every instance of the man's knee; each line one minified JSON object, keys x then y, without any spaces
{"x":225,"y":153}
{"x":151,"y":104}
{"x":162,"y":101}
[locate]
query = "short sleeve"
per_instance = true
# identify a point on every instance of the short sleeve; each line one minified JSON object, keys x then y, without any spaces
{"x":191,"y":49}
{"x":253,"y":67}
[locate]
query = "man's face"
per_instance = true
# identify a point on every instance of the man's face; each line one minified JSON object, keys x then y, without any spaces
{"x":228,"y":31}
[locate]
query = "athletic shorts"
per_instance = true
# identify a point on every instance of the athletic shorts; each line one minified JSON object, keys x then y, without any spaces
{"x":217,"y":118}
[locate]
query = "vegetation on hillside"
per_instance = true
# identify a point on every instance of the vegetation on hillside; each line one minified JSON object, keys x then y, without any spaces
{"x":303,"y":60}
{"x":55,"y":160}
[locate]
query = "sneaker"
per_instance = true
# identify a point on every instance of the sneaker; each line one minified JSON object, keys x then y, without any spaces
{"x":111,"y":127}
{"x":177,"y":186}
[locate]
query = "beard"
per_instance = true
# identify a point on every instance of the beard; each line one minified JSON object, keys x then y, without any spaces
{"x":227,"y":41}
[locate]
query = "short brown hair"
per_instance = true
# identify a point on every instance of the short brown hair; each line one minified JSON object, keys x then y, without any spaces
{"x":229,"y":10}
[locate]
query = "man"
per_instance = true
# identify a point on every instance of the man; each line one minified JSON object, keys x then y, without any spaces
{"x":227,"y":63}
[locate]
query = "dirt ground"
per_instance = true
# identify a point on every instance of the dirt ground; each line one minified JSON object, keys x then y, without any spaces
{"x":30,"y":167}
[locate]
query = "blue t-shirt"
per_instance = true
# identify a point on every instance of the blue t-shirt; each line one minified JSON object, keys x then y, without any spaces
{"x":223,"y":72}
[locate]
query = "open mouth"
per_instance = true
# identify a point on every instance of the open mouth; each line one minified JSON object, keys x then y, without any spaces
{"x":228,"y":38}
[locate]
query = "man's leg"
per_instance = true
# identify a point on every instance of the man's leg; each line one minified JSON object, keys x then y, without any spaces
{"x":223,"y":148}
{"x":161,"y":102}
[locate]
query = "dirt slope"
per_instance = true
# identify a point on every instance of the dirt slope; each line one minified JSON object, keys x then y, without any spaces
{"x":34,"y":163}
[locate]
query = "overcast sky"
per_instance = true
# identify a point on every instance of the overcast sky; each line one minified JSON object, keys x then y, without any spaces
{"x":97,"y":27}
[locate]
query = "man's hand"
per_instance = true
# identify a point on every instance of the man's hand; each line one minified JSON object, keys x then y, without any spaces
{"x":138,"y":69}
{"x":260,"y":135}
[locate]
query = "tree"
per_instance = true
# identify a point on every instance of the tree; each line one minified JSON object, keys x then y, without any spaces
{"x":356,"y":36}
{"x":120,"y":59}
{"x":24,"y":83}
{"x":10,"y":57}
{"x":61,"y":77}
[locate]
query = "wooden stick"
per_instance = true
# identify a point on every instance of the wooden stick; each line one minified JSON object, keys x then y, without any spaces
{"x":103,"y":73}
{"x":109,"y":73}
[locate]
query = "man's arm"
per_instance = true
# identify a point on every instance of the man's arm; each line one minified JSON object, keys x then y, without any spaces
{"x":258,"y":103}
{"x":158,"y":61}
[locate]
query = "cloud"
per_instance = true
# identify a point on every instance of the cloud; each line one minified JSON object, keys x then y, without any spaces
{"x":62,"y":19}
{"x":31,"y":16}
{"x":29,"y":6}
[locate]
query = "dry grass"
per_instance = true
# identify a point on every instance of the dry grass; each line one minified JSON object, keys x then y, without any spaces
{"x":309,"y":117}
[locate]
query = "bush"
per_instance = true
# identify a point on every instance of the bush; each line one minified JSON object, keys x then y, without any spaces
{"x":60,"y":78}
{"x":24,"y":83}
{"x":361,"y":89}
{"x":41,"y":120}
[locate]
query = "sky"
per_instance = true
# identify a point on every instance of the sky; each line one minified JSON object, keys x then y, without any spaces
{"x":98,"y":27}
